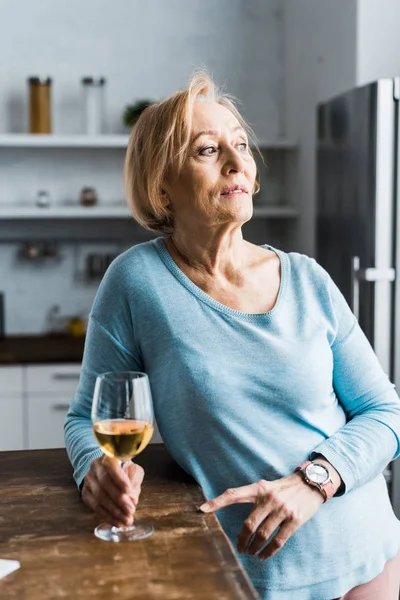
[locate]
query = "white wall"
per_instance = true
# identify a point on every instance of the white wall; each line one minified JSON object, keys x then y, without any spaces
{"x":33,"y":287}
{"x":320,"y":61}
{"x":144,"y":49}
{"x":378,"y":40}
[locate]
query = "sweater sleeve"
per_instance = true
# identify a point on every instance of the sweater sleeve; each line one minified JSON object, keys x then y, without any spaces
{"x":370,"y":439}
{"x":109,"y":346}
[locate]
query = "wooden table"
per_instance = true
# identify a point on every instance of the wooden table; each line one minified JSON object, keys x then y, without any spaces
{"x":45,"y":525}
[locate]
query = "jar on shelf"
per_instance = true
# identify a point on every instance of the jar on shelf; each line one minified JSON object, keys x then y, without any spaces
{"x":93,"y":105}
{"x":88,"y":196}
{"x":39,"y":105}
{"x":43,"y":198}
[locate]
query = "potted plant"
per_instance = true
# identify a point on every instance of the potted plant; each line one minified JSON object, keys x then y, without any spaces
{"x":133,"y":111}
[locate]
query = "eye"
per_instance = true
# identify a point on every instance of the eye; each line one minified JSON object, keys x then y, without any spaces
{"x":242,"y":146}
{"x":208,"y":150}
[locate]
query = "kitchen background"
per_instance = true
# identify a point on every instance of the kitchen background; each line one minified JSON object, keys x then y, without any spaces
{"x":279,"y":57}
{"x":144,"y":50}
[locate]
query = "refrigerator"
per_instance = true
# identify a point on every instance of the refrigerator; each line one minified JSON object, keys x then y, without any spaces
{"x":358,"y":217}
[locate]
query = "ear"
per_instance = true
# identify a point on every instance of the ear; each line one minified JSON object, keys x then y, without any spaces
{"x":164,"y":198}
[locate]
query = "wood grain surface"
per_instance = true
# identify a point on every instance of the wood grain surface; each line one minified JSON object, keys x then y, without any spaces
{"x":45,"y":525}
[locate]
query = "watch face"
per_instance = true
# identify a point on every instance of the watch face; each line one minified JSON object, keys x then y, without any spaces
{"x":317,"y":473}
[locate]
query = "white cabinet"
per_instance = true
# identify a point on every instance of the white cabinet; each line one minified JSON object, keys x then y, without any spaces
{"x":53,"y":379}
{"x":46,"y":416}
{"x":11,"y":408}
{"x":49,"y":389}
{"x":34,"y":401}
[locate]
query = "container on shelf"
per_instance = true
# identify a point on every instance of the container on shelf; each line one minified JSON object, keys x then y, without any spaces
{"x":88,"y":196}
{"x":39,"y":105}
{"x":43,"y":199}
{"x":93,"y":105}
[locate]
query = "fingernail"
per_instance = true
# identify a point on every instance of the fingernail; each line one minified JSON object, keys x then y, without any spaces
{"x":205,"y":507}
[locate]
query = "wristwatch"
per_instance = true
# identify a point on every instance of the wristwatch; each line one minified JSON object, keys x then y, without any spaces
{"x":317,"y":475}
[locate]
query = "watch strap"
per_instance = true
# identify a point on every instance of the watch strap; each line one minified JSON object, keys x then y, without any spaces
{"x":327,"y":488}
{"x":302,"y":466}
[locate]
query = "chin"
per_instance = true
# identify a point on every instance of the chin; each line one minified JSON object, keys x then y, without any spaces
{"x":239,"y":214}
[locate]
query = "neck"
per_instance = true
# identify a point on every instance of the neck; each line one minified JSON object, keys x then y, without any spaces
{"x":211,"y":254}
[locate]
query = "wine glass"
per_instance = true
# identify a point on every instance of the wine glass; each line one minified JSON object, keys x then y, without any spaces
{"x":123,"y":424}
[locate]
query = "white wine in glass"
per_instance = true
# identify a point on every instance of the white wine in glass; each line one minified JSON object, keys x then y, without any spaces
{"x":123,"y":424}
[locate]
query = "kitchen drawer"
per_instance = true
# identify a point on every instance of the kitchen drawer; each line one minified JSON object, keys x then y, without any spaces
{"x":11,"y":380}
{"x":57,"y":379}
{"x":46,"y":416}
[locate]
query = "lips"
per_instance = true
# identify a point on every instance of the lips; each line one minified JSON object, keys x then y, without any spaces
{"x":234,"y":189}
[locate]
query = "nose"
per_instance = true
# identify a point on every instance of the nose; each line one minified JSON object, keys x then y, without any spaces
{"x":234,"y":162}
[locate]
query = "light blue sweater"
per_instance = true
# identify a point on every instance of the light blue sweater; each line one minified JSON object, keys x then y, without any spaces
{"x":239,"y":397}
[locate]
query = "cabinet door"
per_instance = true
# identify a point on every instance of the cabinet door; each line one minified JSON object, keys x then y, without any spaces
{"x":46,"y":416}
{"x":11,"y":404}
{"x":49,"y":392}
{"x":54,"y":379}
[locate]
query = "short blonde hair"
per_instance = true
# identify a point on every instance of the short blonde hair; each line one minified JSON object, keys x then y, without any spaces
{"x":159,"y":143}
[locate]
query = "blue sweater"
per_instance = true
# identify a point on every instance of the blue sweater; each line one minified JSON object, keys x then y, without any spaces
{"x":239,"y":397}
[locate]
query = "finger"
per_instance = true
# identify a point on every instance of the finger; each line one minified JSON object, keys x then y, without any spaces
{"x":99,"y":510}
{"x":107,"y":517}
{"x":103,"y":500}
{"x":123,"y":501}
{"x":117,"y":474}
{"x":246,"y":493}
{"x":250,"y":526}
{"x":279,"y":540}
{"x":264,"y":532}
{"x":99,"y":480}
{"x":113,"y":520}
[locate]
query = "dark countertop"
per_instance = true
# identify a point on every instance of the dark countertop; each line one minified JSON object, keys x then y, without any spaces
{"x":36,"y":349}
{"x":46,"y":527}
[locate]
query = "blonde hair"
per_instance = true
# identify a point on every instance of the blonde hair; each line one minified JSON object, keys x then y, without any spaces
{"x":159,"y":143}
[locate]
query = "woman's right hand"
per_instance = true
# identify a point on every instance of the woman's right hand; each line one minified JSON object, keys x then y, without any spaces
{"x":113,"y":492}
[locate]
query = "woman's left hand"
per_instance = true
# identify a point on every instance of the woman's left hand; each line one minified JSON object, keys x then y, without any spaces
{"x":286,"y":503}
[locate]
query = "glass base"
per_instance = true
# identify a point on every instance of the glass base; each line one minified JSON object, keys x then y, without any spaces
{"x":138,"y":531}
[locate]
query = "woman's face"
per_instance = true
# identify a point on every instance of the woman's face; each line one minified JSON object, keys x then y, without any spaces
{"x":216,"y":182}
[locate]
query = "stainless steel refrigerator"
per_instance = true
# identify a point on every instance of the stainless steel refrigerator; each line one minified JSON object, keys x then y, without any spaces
{"x":358,"y":217}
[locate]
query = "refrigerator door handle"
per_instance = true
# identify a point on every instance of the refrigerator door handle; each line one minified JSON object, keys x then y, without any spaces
{"x":355,"y":286}
{"x":369,"y":274}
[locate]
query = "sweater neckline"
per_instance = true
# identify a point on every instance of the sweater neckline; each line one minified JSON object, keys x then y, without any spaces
{"x":201,"y":295}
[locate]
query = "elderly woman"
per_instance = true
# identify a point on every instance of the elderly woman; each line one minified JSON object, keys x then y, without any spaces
{"x":265,"y":388}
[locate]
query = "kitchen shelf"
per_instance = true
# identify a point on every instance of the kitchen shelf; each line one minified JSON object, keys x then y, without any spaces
{"x":12,"y":212}
{"x":17,"y":140}
{"x":64,"y":212}
{"x":275,"y":212}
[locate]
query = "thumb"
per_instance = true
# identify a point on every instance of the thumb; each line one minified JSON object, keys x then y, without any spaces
{"x":134,"y":472}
